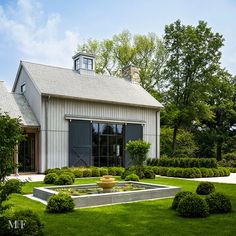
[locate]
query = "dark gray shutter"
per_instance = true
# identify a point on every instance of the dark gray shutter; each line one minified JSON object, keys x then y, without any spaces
{"x":132,"y":132}
{"x":80,"y":143}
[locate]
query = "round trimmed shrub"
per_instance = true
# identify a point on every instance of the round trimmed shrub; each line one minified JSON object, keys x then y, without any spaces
{"x":178,"y":172}
{"x":218,"y":203}
{"x":12,"y":186}
{"x":78,"y":173}
{"x":216,"y":172}
{"x":163,"y":171}
{"x":103,"y":171}
{"x":32,"y":223}
{"x":132,"y":177}
{"x":50,"y":178}
{"x":210,"y":172}
{"x":171,"y":172}
{"x":155,"y":170}
{"x":127,"y":172}
{"x":205,"y":172}
{"x":59,"y":203}
{"x":119,"y":170}
{"x":193,"y":206}
{"x":148,"y":173}
{"x":53,"y":170}
{"x":95,"y":172}
{"x":87,"y":172}
{"x":198,"y":173}
{"x":188,"y":173}
{"x":178,"y":197}
{"x":205,"y":188}
{"x":70,"y":174}
{"x":112,"y":171}
{"x":64,"y":179}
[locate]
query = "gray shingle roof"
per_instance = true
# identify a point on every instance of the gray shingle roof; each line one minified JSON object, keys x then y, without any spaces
{"x":16,"y":106}
{"x":68,"y":83}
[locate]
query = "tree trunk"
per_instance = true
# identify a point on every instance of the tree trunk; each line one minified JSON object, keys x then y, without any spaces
{"x":174,"y":139}
{"x":219,"y":151}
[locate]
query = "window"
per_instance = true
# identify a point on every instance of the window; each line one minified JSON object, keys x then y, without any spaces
{"x":88,"y":63}
{"x":77,"y":64}
{"x":107,"y":144}
{"x":22,"y":88}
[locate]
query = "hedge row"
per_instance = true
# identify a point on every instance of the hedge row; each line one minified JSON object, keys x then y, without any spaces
{"x":80,"y":172}
{"x":183,"y":162}
{"x":191,"y":172}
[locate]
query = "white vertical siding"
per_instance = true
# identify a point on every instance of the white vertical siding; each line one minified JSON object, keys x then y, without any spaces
{"x":58,"y":126}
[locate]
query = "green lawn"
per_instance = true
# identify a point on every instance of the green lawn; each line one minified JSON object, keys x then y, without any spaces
{"x":142,"y":218}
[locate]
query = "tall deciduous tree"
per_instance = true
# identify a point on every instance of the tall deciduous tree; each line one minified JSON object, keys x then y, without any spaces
{"x":193,"y":56}
{"x":144,"y":51}
{"x":221,"y":99}
{"x":10,"y":135}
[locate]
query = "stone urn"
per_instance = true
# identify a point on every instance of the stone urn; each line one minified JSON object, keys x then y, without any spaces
{"x":107,"y":182}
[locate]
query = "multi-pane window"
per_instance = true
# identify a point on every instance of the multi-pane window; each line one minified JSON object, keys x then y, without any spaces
{"x":108,"y":144}
{"x":88,"y":63}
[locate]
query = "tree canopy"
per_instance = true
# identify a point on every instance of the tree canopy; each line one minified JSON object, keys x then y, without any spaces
{"x":183,"y":71}
{"x":11,"y":133}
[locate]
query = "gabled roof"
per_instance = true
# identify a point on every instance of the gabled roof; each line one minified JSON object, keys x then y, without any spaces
{"x":16,"y":106}
{"x":62,"y":82}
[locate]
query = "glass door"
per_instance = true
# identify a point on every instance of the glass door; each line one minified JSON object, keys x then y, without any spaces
{"x":26,"y":155}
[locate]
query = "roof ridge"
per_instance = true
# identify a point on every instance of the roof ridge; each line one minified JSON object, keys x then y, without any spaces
{"x":70,"y":69}
{"x":58,"y":67}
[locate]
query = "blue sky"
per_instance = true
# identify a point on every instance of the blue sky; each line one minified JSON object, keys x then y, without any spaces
{"x":48,"y":31}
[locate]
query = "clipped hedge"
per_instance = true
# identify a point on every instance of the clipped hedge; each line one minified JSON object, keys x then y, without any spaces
{"x":80,"y":172}
{"x":191,"y":172}
{"x":183,"y":162}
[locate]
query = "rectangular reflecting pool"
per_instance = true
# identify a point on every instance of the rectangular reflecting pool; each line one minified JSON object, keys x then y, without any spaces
{"x":89,"y":195}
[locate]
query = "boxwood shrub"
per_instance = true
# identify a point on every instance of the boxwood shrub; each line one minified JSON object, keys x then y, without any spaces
{"x":87,"y":172}
{"x":95,"y":172}
{"x":205,"y":188}
{"x":59,"y":203}
{"x":148,"y":173}
{"x":78,"y":173}
{"x":33,"y":225}
{"x":50,"y":178}
{"x":191,"y":172}
{"x":64,"y":179}
{"x":193,"y":205}
{"x":132,"y":177}
{"x":184,"y":162}
{"x":71,"y":174}
{"x":12,"y":186}
{"x":103,"y":171}
{"x":178,"y":197}
{"x":218,"y":203}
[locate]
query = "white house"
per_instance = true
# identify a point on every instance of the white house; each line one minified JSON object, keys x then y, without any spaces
{"x":75,"y":117}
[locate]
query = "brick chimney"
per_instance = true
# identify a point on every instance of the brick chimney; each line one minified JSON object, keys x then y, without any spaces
{"x":131,"y":73}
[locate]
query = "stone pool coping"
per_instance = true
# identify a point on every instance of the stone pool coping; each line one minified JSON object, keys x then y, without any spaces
{"x":153,"y":191}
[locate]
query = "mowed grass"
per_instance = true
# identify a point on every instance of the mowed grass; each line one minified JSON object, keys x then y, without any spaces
{"x":141,"y":218}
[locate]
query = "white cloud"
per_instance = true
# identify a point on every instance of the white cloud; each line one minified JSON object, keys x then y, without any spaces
{"x":37,"y":39}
